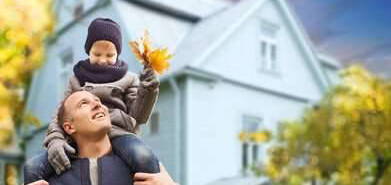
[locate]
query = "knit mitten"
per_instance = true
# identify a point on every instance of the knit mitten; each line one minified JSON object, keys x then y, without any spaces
{"x":148,"y":79}
{"x":57,"y":154}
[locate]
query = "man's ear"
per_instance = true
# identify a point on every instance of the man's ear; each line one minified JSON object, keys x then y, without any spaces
{"x":68,"y":127}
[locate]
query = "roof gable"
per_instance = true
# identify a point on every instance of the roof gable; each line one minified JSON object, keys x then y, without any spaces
{"x":206,"y":37}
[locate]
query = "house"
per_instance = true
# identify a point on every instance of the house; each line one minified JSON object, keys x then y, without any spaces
{"x":237,"y":67}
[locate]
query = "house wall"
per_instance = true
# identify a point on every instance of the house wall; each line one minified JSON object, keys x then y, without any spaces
{"x":216,"y":109}
{"x":215,"y":120}
{"x":167,"y":143}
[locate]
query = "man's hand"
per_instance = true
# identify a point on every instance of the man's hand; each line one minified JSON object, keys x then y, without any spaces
{"x":162,"y":178}
{"x":40,"y":182}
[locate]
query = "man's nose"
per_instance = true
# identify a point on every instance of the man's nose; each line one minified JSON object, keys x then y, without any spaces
{"x":96,"y":105}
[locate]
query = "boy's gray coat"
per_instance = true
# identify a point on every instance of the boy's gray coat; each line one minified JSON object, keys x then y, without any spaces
{"x":126,"y":116}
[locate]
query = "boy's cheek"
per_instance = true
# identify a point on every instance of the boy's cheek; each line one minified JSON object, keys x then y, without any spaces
{"x":112,"y":62}
{"x":92,"y":60}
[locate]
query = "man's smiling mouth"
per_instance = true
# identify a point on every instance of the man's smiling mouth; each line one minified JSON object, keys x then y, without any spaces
{"x":98,"y":115}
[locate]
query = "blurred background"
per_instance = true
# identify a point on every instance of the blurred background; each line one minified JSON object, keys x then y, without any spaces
{"x":279,"y":92}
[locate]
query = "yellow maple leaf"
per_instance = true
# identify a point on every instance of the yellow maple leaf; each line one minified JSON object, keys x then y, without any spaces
{"x":147,"y":55}
{"x":244,"y":136}
{"x":135,"y":49}
{"x":146,"y":40}
{"x":158,"y":59}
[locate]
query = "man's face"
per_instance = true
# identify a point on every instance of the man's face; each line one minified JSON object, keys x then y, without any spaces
{"x":103,"y":53}
{"x":86,"y":116}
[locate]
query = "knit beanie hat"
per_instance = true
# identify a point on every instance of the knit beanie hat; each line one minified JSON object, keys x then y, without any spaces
{"x":104,"y":29}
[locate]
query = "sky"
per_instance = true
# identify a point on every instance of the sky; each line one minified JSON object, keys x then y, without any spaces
{"x":350,"y":30}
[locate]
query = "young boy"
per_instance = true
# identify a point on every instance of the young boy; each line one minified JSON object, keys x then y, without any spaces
{"x":130,"y":101}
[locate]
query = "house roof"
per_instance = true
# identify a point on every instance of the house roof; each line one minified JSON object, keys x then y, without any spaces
{"x":205,"y":37}
{"x":328,"y":60}
{"x":191,"y":10}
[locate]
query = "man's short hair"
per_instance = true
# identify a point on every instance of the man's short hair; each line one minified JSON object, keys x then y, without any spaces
{"x":62,"y":112}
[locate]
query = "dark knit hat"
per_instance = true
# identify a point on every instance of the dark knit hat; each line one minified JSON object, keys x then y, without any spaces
{"x":104,"y":29}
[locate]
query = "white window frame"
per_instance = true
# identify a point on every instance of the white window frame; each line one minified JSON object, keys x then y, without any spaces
{"x":65,"y":67}
{"x":268,"y":64}
{"x":250,"y":145}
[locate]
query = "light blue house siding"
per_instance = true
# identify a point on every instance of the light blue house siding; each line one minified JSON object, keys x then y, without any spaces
{"x":168,"y":141}
{"x":231,"y":62}
{"x":215,"y":120}
{"x":239,"y":85}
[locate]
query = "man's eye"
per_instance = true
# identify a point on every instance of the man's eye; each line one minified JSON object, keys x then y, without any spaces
{"x":98,"y":55}
{"x":83,"y":103}
{"x":110,"y":55}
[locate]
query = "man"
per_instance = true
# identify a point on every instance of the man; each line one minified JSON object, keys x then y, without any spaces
{"x":86,"y":120}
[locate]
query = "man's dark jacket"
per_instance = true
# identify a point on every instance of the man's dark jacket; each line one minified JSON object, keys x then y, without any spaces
{"x":111,"y":171}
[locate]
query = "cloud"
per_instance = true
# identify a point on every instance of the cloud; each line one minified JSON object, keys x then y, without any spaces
{"x":338,"y":28}
{"x":319,"y":16}
{"x":380,"y":66}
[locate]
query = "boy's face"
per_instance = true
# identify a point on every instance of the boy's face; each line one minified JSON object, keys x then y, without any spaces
{"x":103,"y":52}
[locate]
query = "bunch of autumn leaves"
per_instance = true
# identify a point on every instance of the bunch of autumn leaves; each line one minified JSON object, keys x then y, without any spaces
{"x":147,"y":55}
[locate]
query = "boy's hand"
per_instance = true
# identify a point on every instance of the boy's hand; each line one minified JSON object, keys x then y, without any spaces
{"x":162,"y":178}
{"x":148,"y":78}
{"x":57,"y":154}
{"x":131,"y":93}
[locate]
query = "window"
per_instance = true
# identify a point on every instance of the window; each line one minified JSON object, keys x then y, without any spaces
{"x":269,"y":55}
{"x":250,"y":124}
{"x":273,"y":54}
{"x":245,"y":155}
{"x":263,"y":50}
{"x":268,"y":45}
{"x":78,"y":10}
{"x":255,"y":152}
{"x":154,"y":124}
{"x":66,"y":59}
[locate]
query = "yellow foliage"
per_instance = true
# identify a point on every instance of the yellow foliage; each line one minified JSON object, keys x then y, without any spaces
{"x":147,"y":55}
{"x":257,"y":137}
{"x":244,"y":136}
{"x":6,"y":127}
{"x":158,"y":60}
{"x":260,"y":136}
{"x":11,"y":176}
{"x":24,"y":26}
{"x":345,"y":139}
